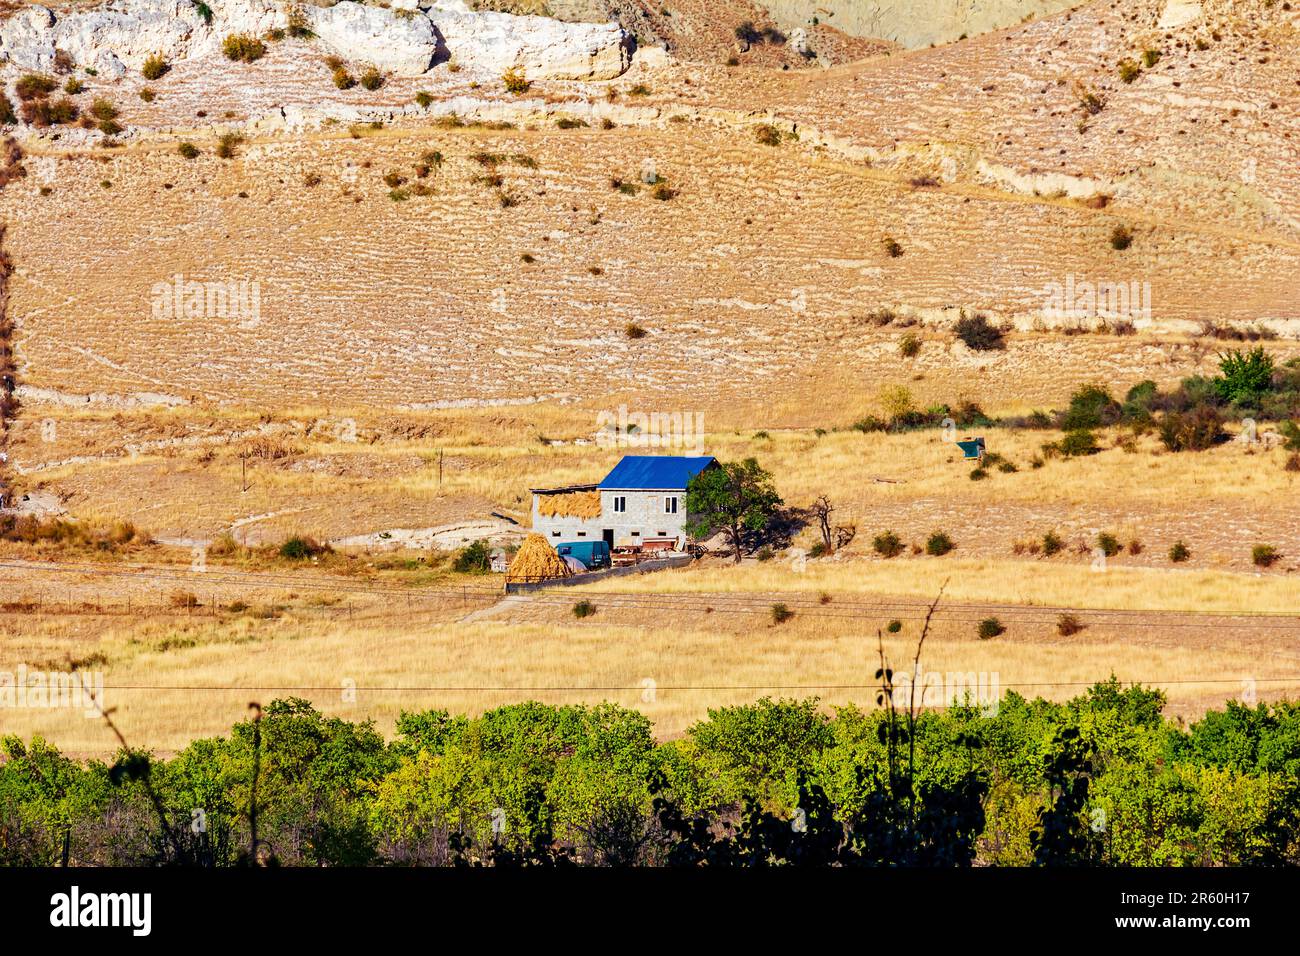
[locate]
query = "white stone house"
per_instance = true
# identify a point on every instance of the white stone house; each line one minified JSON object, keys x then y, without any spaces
{"x":640,"y":504}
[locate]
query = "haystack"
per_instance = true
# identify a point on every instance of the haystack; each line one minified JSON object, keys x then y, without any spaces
{"x":536,"y":560}
{"x":572,"y":504}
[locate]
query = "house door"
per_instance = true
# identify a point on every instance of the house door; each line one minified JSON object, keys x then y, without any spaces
{"x":608,"y":535}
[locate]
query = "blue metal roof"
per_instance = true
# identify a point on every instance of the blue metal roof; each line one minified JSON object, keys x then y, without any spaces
{"x":654,"y":473}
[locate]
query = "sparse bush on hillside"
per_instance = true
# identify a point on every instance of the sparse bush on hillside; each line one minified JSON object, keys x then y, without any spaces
{"x":515,"y":82}
{"x":1068,"y":625}
{"x":154,"y":67}
{"x":423,"y":99}
{"x":1121,"y":238}
{"x":1109,"y":544}
{"x":663,"y":192}
{"x":147,"y":94}
{"x":188,"y":150}
{"x":227,"y":144}
{"x":583,"y":608}
{"x":1150,"y":58}
{"x":74,"y":86}
{"x":634,"y":331}
{"x":241,"y":47}
{"x":1179,"y":552}
{"x":45,"y":112}
{"x":343,"y":79}
{"x":909,"y":346}
{"x":35,"y":86}
{"x":781,"y":613}
{"x":1052,"y":544}
{"x":988,"y":628}
{"x":767,"y":134}
{"x":7,"y":115}
{"x":371,"y":78}
{"x":1264,"y":555}
{"x":887,"y":544}
{"x":938,"y":544}
{"x":1129,"y":71}
{"x":978,"y":333}
{"x":892,"y":247}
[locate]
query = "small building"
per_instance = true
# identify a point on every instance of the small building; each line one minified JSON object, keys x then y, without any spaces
{"x":640,"y":505}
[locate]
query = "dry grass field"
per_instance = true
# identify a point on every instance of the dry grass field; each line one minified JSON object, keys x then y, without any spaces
{"x":448,"y":296}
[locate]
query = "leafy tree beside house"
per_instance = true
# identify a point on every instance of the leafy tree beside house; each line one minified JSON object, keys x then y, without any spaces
{"x":737,"y":497}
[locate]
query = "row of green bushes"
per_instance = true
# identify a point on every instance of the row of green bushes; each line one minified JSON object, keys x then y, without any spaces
{"x":1102,"y":779}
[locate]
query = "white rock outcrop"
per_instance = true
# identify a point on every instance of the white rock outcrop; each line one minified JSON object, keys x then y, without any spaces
{"x":542,"y":48}
{"x":402,"y":42}
{"x":406,"y":40}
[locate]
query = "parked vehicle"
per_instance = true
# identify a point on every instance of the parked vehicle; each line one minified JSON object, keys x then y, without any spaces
{"x":593,"y":554}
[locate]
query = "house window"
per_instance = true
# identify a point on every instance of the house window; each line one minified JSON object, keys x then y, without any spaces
{"x":670,"y":505}
{"x":620,"y":504}
{"x":582,"y":534}
{"x":636,"y":534}
{"x":555,"y":534}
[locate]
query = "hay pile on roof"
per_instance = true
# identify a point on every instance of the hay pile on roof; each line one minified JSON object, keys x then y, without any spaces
{"x":572,"y":504}
{"x":536,"y":561}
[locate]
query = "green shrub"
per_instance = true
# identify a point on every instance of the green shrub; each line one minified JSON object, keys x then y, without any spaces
{"x":343,"y":79}
{"x":1109,"y":544}
{"x":147,"y":94}
{"x":423,"y":99}
{"x":1121,"y":237}
{"x":1150,"y":58}
{"x":634,"y":331}
{"x":74,"y":86}
{"x":1179,"y":552}
{"x":989,"y":627}
{"x":583,"y":608}
{"x":1264,"y":555}
{"x":1244,"y":376}
{"x":1129,"y":70}
{"x":887,"y":544}
{"x":893,"y":248}
{"x":938,"y":544}
{"x":1078,"y":443}
{"x":371,"y":78}
{"x":767,"y":134}
{"x":893,"y":627}
{"x":103,"y":109}
{"x":299,"y":548}
{"x":909,"y":346}
{"x":474,"y":558}
{"x":7,"y":115}
{"x":1052,"y":544}
{"x":188,"y":150}
{"x":781,"y":614}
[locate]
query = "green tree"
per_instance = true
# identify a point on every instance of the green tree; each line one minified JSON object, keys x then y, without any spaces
{"x":1244,"y":376}
{"x":736,"y":497}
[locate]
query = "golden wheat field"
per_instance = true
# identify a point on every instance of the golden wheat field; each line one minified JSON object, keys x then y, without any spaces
{"x":416,"y":303}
